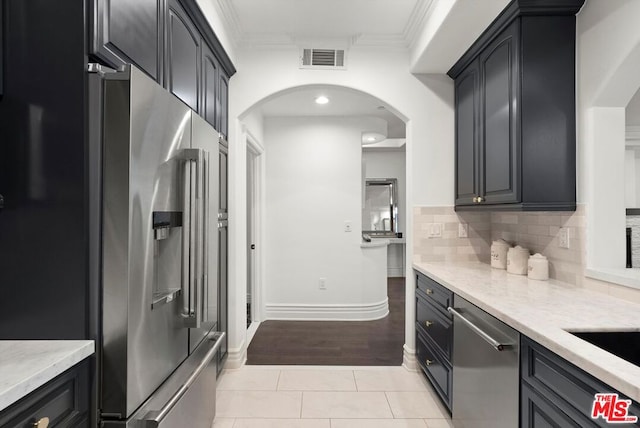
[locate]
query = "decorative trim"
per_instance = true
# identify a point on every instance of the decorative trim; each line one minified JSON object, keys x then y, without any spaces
{"x":201,"y":23}
{"x":409,"y":360}
{"x":230,"y":17}
{"x":514,"y":10}
{"x":524,"y":206}
{"x":335,"y":312}
{"x":417,"y":21}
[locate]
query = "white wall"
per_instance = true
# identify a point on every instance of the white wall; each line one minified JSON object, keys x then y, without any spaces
{"x":313,"y":185}
{"x":425,"y":102}
{"x":608,"y":51}
{"x":389,"y":164}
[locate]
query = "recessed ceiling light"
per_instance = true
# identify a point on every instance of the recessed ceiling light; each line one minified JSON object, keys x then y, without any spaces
{"x":322,"y":100}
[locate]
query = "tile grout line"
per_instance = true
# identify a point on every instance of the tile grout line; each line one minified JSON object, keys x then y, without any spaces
{"x":355,"y":382}
{"x":389,"y":404}
{"x":301,"y":403}
{"x":278,"y":380}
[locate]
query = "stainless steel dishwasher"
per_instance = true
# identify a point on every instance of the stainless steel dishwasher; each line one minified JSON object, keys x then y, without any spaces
{"x":485,"y":369}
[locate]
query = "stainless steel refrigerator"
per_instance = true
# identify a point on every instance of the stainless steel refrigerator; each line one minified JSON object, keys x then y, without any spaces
{"x":160,"y":177}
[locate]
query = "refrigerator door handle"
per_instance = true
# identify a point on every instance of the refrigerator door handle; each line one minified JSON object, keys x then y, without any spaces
{"x":195,"y":249}
{"x":205,"y":237}
{"x":154,"y":418}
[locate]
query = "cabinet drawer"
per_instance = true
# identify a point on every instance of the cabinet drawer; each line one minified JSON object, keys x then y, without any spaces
{"x":440,"y":296}
{"x":64,"y":400}
{"x":434,"y":325}
{"x":563,"y":383}
{"x":438,"y":372}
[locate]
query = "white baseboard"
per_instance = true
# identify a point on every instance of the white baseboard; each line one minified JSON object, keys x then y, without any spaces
{"x":236,"y":357}
{"x":336,"y":312}
{"x":409,"y":360}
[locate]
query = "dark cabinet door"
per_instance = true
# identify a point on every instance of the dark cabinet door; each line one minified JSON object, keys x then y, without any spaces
{"x":223,"y":107}
{"x":538,"y":412}
{"x":467,"y":102}
{"x":183,"y":56}
{"x":210,"y":85}
{"x":500,"y":148}
{"x":130,"y":31}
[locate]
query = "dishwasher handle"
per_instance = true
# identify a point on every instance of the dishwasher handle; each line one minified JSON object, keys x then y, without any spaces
{"x":484,"y":335}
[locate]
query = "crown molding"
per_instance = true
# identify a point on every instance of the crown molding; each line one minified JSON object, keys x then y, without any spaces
{"x":231,"y":19}
{"x":417,"y":21}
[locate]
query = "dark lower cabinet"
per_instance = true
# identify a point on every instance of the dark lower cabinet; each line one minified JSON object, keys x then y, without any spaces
{"x":183,"y":56}
{"x":64,"y":401}
{"x":537,"y":411}
{"x":130,"y":31}
{"x":556,"y":393}
{"x":434,"y":335}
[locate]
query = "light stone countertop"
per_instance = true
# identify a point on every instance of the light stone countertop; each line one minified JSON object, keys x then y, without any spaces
{"x":545,"y":311}
{"x":375,"y":243}
{"x":25,"y":365}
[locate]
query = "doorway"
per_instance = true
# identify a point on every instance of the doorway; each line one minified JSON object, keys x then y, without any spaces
{"x":253,"y":235}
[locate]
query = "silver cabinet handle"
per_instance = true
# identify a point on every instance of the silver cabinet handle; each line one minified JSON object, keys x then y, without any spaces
{"x":154,"y":418}
{"x":487,"y":338}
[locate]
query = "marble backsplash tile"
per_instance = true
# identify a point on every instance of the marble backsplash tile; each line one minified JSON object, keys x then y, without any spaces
{"x":538,"y":231}
{"x":475,"y":247}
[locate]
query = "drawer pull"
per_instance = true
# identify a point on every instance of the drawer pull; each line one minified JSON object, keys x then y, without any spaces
{"x":428,"y":323}
{"x":428,"y":362}
{"x":429,"y":291}
{"x":42,"y":423}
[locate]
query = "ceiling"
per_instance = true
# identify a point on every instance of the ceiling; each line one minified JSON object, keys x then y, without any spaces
{"x":344,"y":22}
{"x":342,"y":102}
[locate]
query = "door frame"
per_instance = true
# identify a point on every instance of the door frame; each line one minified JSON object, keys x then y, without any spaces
{"x":255,"y":149}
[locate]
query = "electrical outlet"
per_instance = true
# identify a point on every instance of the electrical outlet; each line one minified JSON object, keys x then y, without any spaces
{"x":563,"y":238}
{"x":463,"y":230}
{"x":434,"y":230}
{"x":322,"y":284}
{"x":348,"y":226}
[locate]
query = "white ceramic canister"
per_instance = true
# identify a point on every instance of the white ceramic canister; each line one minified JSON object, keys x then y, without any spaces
{"x":538,"y":267}
{"x":499,"y":250}
{"x":517,"y":260}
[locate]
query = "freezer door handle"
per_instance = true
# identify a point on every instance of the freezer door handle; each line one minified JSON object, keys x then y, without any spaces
{"x":154,"y":418}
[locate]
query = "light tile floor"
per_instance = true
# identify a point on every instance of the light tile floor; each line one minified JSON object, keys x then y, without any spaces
{"x":326,"y":397}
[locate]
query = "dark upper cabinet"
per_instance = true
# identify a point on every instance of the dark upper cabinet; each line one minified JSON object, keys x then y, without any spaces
{"x":171,"y":41}
{"x":183,"y":51}
{"x":224,"y":106}
{"x":467,"y":101}
{"x":515,"y":111}
{"x":499,"y":136}
{"x":210,"y":84}
{"x":130,"y":31}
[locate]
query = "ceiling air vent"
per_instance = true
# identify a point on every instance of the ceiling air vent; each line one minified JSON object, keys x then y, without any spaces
{"x":323,"y":58}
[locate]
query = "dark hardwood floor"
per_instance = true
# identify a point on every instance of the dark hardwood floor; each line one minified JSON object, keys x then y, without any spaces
{"x":344,"y":343}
